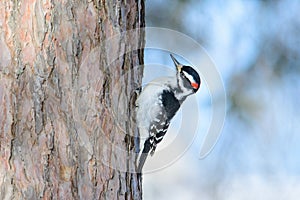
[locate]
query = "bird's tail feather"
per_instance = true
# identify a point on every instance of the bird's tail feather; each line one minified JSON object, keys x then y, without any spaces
{"x":142,"y":161}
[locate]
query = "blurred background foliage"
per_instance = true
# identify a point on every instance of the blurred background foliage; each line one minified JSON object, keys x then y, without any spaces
{"x":256,"y":47}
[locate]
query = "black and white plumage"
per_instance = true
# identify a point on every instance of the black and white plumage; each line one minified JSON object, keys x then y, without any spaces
{"x":158,"y":103}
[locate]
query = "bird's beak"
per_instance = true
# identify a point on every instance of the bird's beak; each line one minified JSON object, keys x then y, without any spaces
{"x":177,"y":64}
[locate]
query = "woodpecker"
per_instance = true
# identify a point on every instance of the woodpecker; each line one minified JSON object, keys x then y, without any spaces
{"x":158,"y":103}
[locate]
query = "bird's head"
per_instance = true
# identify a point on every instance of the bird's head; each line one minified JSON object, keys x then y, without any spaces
{"x":187,"y":76}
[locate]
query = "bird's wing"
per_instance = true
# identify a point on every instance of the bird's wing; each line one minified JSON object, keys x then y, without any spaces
{"x":158,"y":129}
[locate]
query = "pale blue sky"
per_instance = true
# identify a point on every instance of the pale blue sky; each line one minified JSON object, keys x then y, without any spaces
{"x":257,"y":156}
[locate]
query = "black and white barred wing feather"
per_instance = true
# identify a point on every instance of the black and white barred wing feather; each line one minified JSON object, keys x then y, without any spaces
{"x":158,"y":129}
{"x":168,"y":106}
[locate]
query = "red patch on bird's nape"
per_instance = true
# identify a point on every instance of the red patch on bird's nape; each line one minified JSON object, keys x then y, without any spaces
{"x":195,"y":85}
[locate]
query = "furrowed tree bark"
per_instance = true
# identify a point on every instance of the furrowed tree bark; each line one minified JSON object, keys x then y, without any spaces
{"x":66,"y":98}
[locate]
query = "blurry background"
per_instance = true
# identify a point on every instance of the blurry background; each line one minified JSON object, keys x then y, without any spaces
{"x":256,"y":47}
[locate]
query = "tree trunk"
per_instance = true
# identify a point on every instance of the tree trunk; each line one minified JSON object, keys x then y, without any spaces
{"x":66,"y":98}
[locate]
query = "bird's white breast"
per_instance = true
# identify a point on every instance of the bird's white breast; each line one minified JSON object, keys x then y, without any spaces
{"x":148,"y":104}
